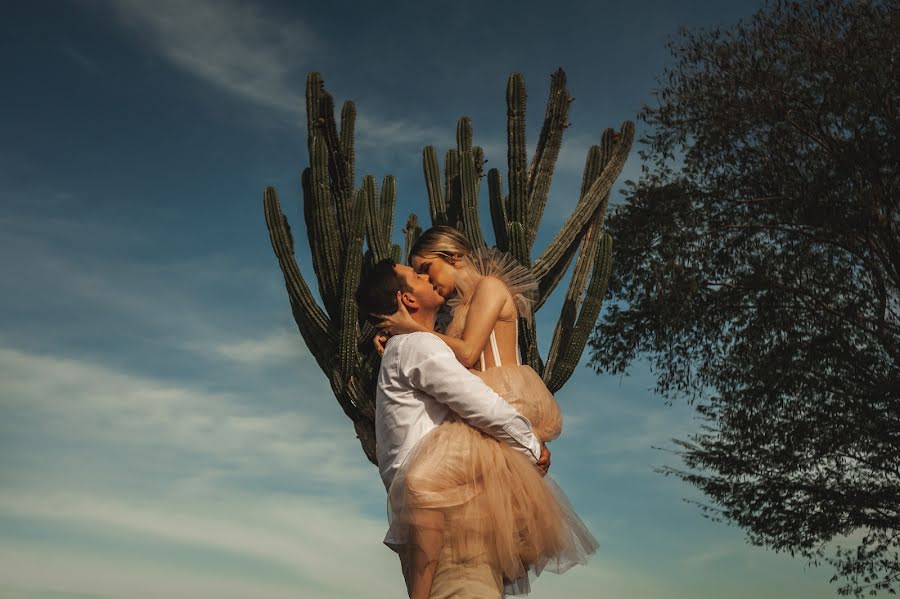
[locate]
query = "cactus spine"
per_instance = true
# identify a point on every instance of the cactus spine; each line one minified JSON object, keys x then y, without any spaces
{"x":341,"y":218}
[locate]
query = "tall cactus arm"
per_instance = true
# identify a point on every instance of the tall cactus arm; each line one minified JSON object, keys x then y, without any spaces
{"x":433,"y":185}
{"x":314,"y":325}
{"x":378,"y":242}
{"x":320,"y":347}
{"x":352,"y":271}
{"x":499,"y":217}
{"x":529,"y":346}
{"x":468,"y":180}
{"x":540,"y":172}
{"x":464,"y":134}
{"x":583,"y":266}
{"x":592,"y":167}
{"x":324,"y":237}
{"x":547,"y":285}
{"x":478,"y":154}
{"x":315,"y":87}
{"x":411,"y":234}
{"x":518,"y":247}
{"x":388,"y":204}
{"x":350,"y":397}
{"x":515,"y":140}
{"x":396,"y":253}
{"x":452,"y":190}
{"x":595,"y":196}
{"x":326,"y":129}
{"x":348,"y":146}
{"x":342,"y":185}
{"x":587,"y":316}
{"x":518,"y":243}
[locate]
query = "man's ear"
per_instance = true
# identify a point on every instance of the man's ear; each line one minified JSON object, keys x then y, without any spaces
{"x":408,"y":300}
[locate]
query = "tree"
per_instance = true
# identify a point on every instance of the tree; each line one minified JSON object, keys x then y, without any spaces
{"x":343,"y":220}
{"x":758,"y":269}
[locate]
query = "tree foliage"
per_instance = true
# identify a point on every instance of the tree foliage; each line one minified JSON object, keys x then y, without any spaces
{"x":757,"y":268}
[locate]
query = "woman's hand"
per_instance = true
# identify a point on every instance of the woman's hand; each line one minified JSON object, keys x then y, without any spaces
{"x":399,"y":322}
{"x":380,"y":340}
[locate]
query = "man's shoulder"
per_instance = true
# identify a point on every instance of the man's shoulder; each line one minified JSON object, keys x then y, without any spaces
{"x":421,"y":339}
{"x":418,"y":344}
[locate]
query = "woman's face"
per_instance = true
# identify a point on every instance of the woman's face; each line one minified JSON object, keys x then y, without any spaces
{"x":441,"y":273}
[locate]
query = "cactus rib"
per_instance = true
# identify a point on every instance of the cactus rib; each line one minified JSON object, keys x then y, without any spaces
{"x":498,"y":209}
{"x":540,"y":172}
{"x":515,"y":139}
{"x":593,"y":199}
{"x":470,"y":217}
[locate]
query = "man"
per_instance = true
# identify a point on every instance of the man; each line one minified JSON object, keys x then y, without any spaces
{"x":419,"y":384}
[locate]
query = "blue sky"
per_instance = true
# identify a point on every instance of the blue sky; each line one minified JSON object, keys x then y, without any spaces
{"x":163,"y":429}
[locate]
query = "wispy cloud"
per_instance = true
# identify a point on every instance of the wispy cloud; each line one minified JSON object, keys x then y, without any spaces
{"x":103,"y":408}
{"x":253,"y":55}
{"x":286,"y":547}
{"x":278,"y":346}
{"x":88,"y":64}
{"x":234,"y":46}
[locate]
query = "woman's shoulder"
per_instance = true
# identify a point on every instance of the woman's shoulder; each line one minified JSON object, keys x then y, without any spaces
{"x":498,"y":268}
{"x":492,"y":284}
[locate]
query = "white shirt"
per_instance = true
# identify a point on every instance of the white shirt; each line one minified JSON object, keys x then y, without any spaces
{"x":419,"y":384}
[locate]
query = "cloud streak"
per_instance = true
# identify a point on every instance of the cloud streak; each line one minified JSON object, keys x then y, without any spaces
{"x":111,"y":410}
{"x":299,"y":541}
{"x":254,"y":56}
{"x":233,"y":46}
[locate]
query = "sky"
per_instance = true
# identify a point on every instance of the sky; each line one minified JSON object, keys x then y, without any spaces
{"x":164,"y":431}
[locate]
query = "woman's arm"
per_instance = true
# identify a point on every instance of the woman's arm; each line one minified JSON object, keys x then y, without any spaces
{"x":484,"y":310}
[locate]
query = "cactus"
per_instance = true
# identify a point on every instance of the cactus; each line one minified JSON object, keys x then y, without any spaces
{"x":340,"y":218}
{"x":411,"y":234}
{"x":516,"y":216}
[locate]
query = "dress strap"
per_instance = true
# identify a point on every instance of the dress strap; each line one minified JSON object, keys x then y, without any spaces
{"x":495,"y":350}
{"x":518,"y":353}
{"x":481,"y":361}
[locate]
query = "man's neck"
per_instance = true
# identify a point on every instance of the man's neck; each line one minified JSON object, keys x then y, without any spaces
{"x":424,"y":318}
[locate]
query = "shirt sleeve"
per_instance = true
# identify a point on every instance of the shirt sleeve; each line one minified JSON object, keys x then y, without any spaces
{"x":429,"y":365}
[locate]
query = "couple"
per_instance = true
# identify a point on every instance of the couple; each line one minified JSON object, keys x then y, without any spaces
{"x":461,"y":452}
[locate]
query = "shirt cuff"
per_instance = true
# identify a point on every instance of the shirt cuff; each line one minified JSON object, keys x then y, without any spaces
{"x":526,"y":439}
{"x":535,"y":448}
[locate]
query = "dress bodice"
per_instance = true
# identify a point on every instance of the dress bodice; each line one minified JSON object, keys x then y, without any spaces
{"x":519,"y":282}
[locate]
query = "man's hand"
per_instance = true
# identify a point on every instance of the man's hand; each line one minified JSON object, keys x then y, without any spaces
{"x":543,"y":462}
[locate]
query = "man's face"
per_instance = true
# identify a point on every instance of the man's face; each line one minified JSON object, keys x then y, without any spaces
{"x":423,"y":291}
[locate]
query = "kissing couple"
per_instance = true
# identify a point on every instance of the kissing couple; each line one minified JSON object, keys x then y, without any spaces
{"x":462,"y":425}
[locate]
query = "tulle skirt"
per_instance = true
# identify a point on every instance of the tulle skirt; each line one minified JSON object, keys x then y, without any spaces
{"x":490,"y":500}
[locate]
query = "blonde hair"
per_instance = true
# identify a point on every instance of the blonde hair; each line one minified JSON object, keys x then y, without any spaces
{"x":442,"y":241}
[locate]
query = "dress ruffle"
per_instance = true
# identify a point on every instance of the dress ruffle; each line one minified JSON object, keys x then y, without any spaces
{"x":491,"y":262}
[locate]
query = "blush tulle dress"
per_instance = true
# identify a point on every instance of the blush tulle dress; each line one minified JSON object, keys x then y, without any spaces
{"x":496,"y":508}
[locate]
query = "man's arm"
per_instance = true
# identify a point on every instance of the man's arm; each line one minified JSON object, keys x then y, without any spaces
{"x":429,"y":365}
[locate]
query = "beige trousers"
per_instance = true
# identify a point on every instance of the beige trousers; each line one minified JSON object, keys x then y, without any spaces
{"x":469,"y":580}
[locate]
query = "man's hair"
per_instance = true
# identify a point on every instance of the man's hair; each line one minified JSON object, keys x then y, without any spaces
{"x":378,"y":289}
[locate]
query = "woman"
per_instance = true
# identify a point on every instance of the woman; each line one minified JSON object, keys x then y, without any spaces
{"x":470,"y":494}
